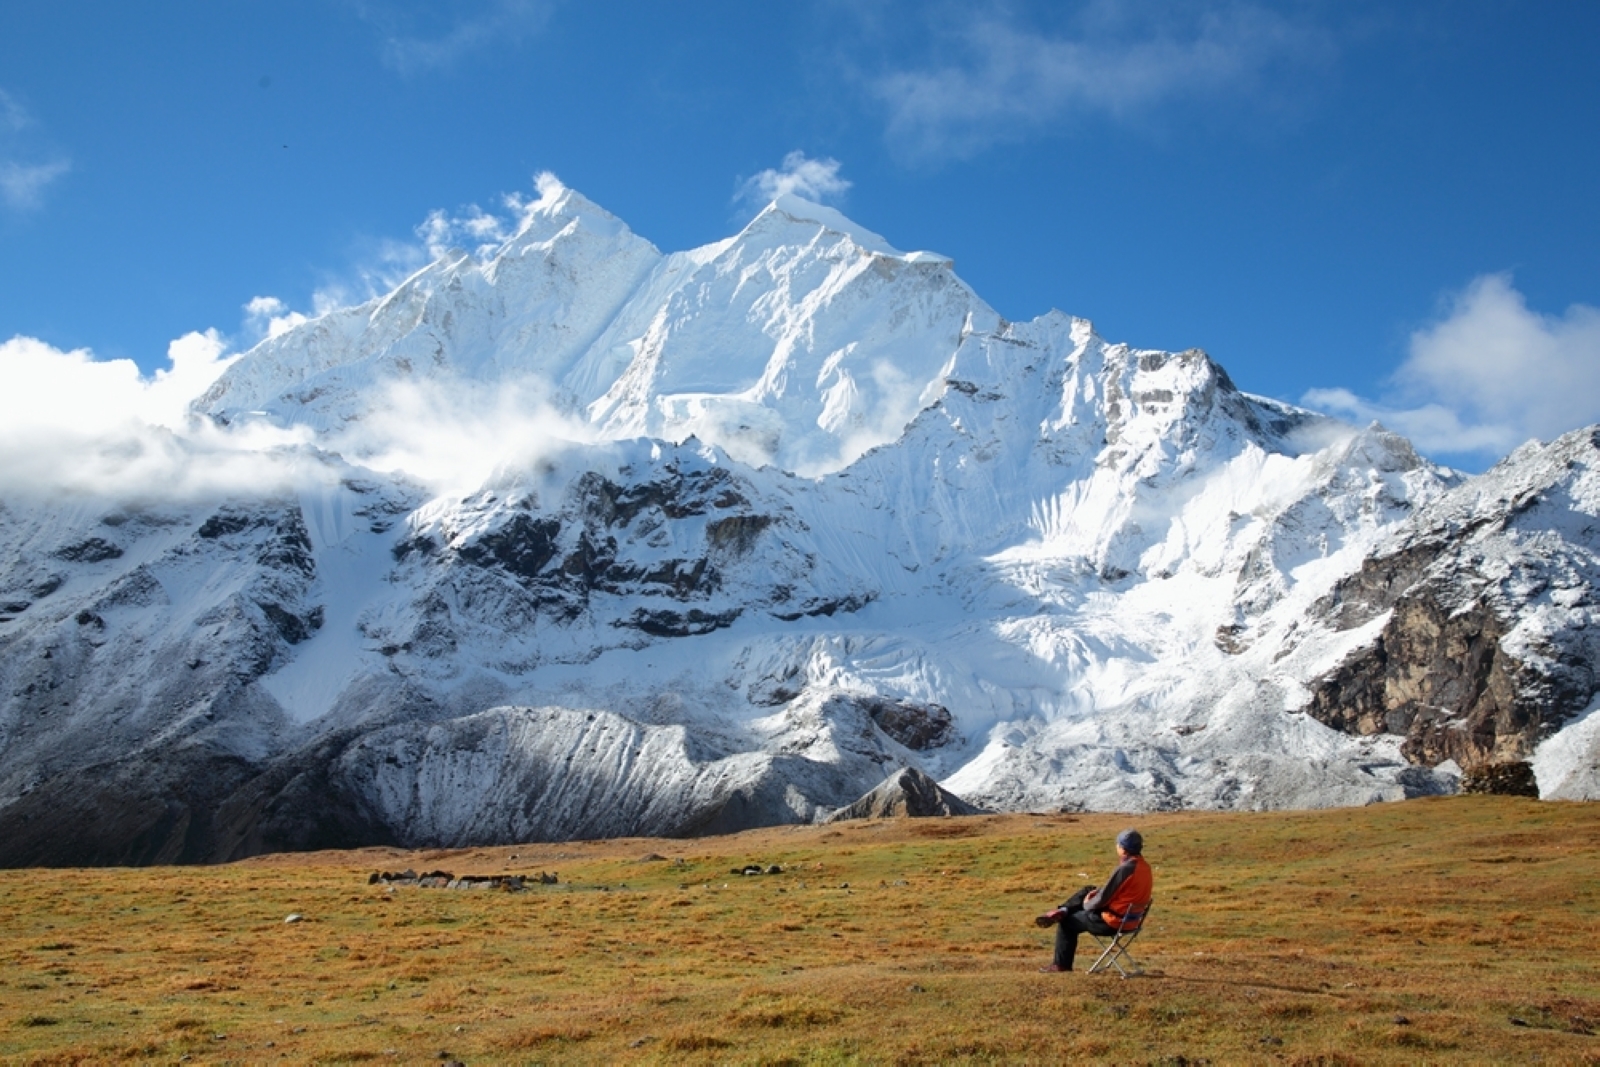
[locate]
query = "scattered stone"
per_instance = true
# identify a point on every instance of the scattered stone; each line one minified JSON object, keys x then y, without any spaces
{"x":509,"y":883}
{"x":295,"y":917}
{"x":1401,"y":1020}
{"x":1517,"y":1021}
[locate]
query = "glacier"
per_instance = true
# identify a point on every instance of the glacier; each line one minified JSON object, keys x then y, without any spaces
{"x":746,"y":530}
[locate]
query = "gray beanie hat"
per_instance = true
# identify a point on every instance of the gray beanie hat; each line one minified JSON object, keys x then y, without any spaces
{"x":1130,"y":842}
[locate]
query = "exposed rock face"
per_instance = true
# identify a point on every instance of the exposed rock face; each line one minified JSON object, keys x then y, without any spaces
{"x":918,"y":726}
{"x":1501,"y":779}
{"x":1441,"y":680}
{"x":907,"y":792}
{"x":1487,"y":598}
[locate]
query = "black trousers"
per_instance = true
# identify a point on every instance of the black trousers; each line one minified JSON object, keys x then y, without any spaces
{"x":1075,"y":922}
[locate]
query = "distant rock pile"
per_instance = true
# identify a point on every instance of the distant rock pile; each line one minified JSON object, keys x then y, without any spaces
{"x":506,"y":883}
{"x":907,"y":792}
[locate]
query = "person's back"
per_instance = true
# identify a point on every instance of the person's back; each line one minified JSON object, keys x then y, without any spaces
{"x":1130,"y":885}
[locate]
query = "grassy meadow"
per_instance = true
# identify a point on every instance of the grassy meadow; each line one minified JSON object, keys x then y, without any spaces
{"x":1464,"y":929}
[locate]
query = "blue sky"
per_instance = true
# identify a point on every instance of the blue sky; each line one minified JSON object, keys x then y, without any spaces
{"x":1386,"y":211}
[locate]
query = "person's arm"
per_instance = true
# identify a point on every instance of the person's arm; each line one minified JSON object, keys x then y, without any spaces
{"x":1093,"y":901}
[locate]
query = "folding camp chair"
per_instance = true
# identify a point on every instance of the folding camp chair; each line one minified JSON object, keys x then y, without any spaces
{"x":1115,"y":952}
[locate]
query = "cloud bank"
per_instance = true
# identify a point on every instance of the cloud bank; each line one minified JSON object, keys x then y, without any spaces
{"x":1002,"y":81}
{"x":72,"y":424}
{"x":1488,"y":375}
{"x":453,"y":435}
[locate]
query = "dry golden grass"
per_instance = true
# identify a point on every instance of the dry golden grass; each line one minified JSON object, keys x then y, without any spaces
{"x":1459,"y":930}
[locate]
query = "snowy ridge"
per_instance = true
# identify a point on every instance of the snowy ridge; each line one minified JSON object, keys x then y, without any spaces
{"x":528,"y":312}
{"x":811,"y":512}
{"x":802,"y":341}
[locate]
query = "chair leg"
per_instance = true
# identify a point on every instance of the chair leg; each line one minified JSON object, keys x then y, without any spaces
{"x":1114,"y":955}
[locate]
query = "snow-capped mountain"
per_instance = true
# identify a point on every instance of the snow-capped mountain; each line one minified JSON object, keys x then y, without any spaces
{"x":805,"y":511}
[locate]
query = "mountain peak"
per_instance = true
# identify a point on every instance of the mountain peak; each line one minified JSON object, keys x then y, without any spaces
{"x":787,"y":209}
{"x":557,"y":208}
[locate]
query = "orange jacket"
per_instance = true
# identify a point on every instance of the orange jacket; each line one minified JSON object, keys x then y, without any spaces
{"x":1131,"y":883}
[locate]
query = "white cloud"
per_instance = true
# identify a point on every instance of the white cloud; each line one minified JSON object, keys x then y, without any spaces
{"x":547,"y":185}
{"x":71,"y":423}
{"x":481,"y":25}
{"x":476,"y":230}
{"x":44,"y":386}
{"x":197,"y":359}
{"x":22,"y":184}
{"x":1489,"y":375}
{"x":814,"y":179}
{"x":269,"y":317}
{"x":453,"y":435}
{"x":1005,"y":81}
{"x":13,"y":116}
{"x":378,"y":267}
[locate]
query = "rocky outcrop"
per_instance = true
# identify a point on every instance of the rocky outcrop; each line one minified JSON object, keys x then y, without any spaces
{"x":907,"y":792}
{"x":1441,"y":680}
{"x":1511,"y":779}
{"x":1487,"y":597}
{"x":918,"y":725}
{"x":672,"y":546}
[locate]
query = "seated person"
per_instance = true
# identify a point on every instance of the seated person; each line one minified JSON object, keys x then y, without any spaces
{"x":1100,"y":911}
